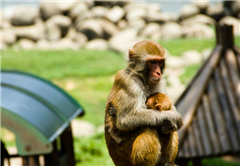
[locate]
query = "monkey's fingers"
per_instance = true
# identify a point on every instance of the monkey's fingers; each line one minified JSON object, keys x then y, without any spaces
{"x":158,"y":106}
{"x":166,"y":129}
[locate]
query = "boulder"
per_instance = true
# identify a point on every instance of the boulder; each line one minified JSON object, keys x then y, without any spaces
{"x":216,"y":11}
{"x":63,"y":43}
{"x":8,"y":36}
{"x":206,"y":53}
{"x":78,"y":37}
{"x":198,"y":30}
{"x":61,"y":22}
{"x":158,"y":17}
{"x":202,"y":5}
{"x":175,"y":62}
{"x":188,"y":10}
{"x":137,"y":24}
{"x":33,"y":32}
{"x":87,"y":129}
{"x":48,"y":9}
{"x":152,"y":30}
{"x":192,"y":57}
{"x":66,"y":6}
{"x":26,"y":44}
{"x":97,"y":44}
{"x":200,"y":18}
{"x":171,"y":30}
{"x":88,"y":14}
{"x":122,"y":24}
{"x":91,"y":28}
{"x":115,"y":14}
{"x":53,"y":32}
{"x":229,"y":20}
{"x":79,"y":9}
{"x":99,"y":11}
{"x":123,"y":40}
{"x":109,"y":28}
{"x":24,"y":15}
{"x":135,"y":13}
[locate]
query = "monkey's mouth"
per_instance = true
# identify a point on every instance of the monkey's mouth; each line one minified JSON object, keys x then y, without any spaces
{"x":153,"y":79}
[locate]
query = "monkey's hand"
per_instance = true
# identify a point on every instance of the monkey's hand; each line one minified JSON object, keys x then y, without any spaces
{"x":171,"y":125}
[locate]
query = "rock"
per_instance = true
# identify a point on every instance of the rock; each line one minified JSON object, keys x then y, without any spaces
{"x":216,"y":11}
{"x":202,"y":5}
{"x":198,"y":30}
{"x":5,"y":24}
{"x":66,"y":6}
{"x":175,"y":62}
{"x":79,"y":9}
{"x":123,"y":40}
{"x":188,"y":10}
{"x":231,"y":21}
{"x":8,"y":36}
{"x":109,"y":29}
{"x":135,"y":13}
{"x":122,"y":24}
{"x":3,"y":46}
{"x":82,"y":128}
{"x":26,"y":44}
{"x":97,"y":44}
{"x":43,"y":44}
{"x":150,"y":6}
{"x":192,"y":57}
{"x":70,"y":85}
{"x":48,"y":9}
{"x":33,"y":32}
{"x":174,"y":92}
{"x":24,"y":15}
{"x":84,"y":16}
{"x":200,"y":18}
{"x":53,"y":32}
{"x":206,"y":53}
{"x":235,"y":8}
{"x":99,"y":11}
{"x":171,"y":30}
{"x":59,"y":22}
{"x":115,"y":14}
{"x":63,"y":43}
{"x":152,"y":30}
{"x":91,"y":28}
{"x":78,"y":37}
{"x":153,"y":16}
{"x":137,"y":24}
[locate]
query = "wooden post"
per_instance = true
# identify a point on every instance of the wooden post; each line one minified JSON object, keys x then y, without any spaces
{"x":67,"y":145}
{"x":30,"y":161}
{"x":52,"y":159}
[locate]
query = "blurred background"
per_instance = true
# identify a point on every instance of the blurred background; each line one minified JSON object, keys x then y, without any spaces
{"x":80,"y":45}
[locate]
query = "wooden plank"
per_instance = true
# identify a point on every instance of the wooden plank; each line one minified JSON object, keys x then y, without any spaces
{"x":208,"y":150}
{"x":234,"y":71}
{"x":187,"y":105}
{"x":209,"y":123}
{"x":218,"y":105}
{"x":185,"y":150}
{"x":30,"y":161}
{"x":67,"y":145}
{"x":192,"y":143}
{"x":52,"y":159}
{"x":235,"y":126}
{"x":197,"y":136}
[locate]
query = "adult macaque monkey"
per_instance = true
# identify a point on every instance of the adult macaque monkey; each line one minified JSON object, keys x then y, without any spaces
{"x":132,"y":130}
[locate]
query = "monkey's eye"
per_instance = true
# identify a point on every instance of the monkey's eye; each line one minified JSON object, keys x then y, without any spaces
{"x":153,"y":62}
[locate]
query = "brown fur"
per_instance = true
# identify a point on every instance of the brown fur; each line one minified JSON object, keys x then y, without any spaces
{"x":132,"y":130}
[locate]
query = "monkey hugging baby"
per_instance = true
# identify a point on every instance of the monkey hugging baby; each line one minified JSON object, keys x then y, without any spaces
{"x":140,"y":121}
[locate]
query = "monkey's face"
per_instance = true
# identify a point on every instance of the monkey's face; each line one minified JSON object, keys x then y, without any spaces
{"x":155,"y":66}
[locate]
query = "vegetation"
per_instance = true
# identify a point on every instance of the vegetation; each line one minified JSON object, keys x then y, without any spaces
{"x":90,"y":74}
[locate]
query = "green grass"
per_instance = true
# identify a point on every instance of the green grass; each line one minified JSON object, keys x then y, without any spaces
{"x":92,"y":73}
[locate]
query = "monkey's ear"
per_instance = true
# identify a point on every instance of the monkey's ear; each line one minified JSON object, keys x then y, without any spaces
{"x":130,"y":54}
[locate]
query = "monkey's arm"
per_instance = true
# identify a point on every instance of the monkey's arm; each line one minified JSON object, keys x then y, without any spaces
{"x":168,"y":121}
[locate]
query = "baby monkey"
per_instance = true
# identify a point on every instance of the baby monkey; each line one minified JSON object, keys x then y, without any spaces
{"x":169,"y":141}
{"x":159,"y":101}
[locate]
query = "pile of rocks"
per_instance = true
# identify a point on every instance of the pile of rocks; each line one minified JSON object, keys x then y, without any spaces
{"x":112,"y":25}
